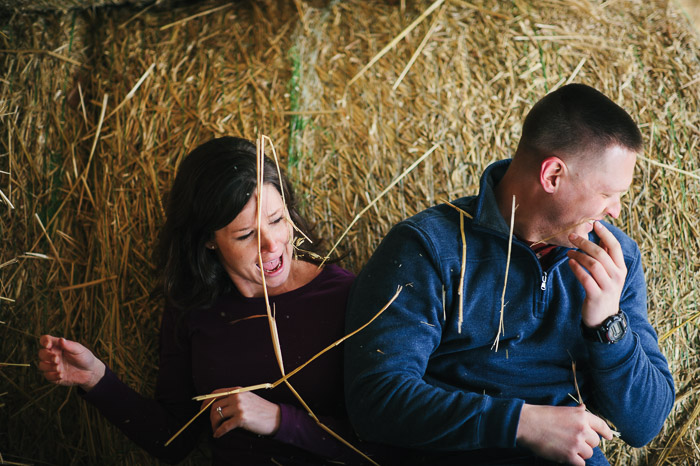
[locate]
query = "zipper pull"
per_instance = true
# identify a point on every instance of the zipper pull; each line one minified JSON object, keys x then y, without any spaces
{"x":543,"y":285}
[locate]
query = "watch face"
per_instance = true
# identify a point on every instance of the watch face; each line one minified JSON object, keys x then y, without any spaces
{"x":616,"y":331}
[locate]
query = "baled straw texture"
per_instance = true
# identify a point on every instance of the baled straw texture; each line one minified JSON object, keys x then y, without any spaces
{"x":283,"y":69}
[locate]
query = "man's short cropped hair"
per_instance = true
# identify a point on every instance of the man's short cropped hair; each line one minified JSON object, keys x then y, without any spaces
{"x":577,"y":121}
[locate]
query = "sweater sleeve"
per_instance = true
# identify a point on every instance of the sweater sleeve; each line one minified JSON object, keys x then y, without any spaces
{"x":151,"y":422}
{"x":633,"y":385}
{"x":390,"y":398}
{"x":299,"y":429}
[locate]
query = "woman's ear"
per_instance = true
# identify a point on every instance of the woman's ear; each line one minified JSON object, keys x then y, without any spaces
{"x":210,"y":245}
{"x":551,"y":171}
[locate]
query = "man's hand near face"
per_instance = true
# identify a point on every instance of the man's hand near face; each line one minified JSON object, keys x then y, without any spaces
{"x":601,"y":271}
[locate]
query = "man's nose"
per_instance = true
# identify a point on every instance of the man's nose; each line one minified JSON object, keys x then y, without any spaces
{"x":615,"y":208}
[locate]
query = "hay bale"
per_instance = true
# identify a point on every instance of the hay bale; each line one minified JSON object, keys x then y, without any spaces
{"x":26,"y":6}
{"x":85,"y":185}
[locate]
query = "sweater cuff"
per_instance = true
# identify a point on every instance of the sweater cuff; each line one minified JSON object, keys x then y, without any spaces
{"x":499,"y":422}
{"x":604,"y":356}
{"x":101,"y":390}
{"x":290,"y":423}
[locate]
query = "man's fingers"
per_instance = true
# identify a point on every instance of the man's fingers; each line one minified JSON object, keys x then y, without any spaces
{"x":579,"y":271}
{"x":611,"y":243}
{"x":594,"y":267}
{"x":600,"y":426}
{"x":593,"y":251}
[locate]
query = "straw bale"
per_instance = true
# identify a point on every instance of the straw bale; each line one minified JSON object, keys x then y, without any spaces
{"x":97,"y":108}
{"x":65,"y":5}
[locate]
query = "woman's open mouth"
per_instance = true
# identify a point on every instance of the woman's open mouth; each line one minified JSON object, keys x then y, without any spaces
{"x":272,"y":266}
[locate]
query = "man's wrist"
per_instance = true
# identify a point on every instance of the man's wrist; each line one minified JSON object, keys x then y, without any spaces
{"x":610,"y":331}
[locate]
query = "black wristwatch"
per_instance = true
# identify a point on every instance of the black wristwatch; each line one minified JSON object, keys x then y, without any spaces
{"x":610,"y":331}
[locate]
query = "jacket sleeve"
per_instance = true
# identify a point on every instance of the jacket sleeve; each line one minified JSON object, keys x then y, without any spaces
{"x":390,"y":398}
{"x":299,"y":429}
{"x":151,"y":422}
{"x":633,"y":385}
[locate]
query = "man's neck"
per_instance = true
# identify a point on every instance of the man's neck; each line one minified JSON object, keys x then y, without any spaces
{"x":526,"y":217}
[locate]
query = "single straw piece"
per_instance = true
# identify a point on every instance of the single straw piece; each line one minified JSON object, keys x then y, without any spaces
{"x":10,"y":262}
{"x":374,"y":201}
{"x":45,"y":52}
{"x":396,"y":40}
{"x":501,"y":328}
{"x":189,"y":422}
{"x":260,"y":153}
{"x":6,"y":200}
{"x":86,"y":284}
{"x":279,"y":176}
{"x":198,"y":15}
{"x":133,"y":90}
{"x":544,"y":240}
{"x":461,"y":274}
{"x":669,"y":167}
{"x":576,"y":70}
{"x":417,"y":52}
{"x":53,"y":248}
{"x":578,"y":392}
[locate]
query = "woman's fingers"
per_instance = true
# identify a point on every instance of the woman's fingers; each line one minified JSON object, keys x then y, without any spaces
{"x":244,"y":410}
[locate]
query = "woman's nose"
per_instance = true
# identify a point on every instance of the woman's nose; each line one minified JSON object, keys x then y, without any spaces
{"x":268,"y":240}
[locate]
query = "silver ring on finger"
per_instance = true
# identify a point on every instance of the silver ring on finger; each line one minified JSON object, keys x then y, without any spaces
{"x":218,"y":410}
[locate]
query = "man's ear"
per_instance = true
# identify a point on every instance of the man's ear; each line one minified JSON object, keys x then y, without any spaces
{"x":551,"y":171}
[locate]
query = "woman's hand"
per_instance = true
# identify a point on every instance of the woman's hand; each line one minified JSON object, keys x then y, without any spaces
{"x":246,"y":410}
{"x":65,"y":362}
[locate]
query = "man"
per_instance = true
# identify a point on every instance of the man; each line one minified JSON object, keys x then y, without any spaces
{"x":437,"y":373}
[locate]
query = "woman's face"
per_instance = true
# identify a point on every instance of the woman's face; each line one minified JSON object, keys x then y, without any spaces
{"x":237,"y":246}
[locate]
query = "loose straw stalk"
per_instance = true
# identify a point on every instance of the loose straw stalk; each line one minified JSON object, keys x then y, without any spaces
{"x":374,"y":201}
{"x":396,"y":40}
{"x":501,"y":328}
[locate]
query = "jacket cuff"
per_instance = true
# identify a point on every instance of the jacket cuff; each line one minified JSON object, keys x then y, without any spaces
{"x":101,"y":389}
{"x":499,"y":422}
{"x":604,"y":356}
{"x":290,"y":423}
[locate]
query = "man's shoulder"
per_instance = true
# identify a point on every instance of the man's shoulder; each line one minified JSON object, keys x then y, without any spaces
{"x":443,"y":215}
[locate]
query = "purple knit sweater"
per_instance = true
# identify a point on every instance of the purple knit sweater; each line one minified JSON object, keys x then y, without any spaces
{"x":220,"y":348}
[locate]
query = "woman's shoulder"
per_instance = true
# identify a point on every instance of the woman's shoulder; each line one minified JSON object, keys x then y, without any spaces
{"x":331,"y":276}
{"x":334,"y":271}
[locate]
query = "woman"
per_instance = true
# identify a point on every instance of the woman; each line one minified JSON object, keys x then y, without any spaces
{"x":214,"y":332}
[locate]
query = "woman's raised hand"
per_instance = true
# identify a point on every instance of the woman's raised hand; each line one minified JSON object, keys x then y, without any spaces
{"x":245,"y":410}
{"x":66,"y":362}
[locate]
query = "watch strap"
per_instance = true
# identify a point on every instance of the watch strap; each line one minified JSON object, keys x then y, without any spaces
{"x":610,"y":331}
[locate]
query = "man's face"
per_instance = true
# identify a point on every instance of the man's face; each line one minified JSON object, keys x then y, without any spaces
{"x":590,"y":191}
